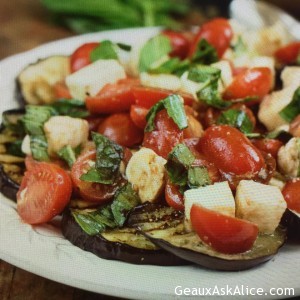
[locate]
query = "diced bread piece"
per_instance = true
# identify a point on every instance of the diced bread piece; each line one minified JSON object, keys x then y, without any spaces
{"x":261,"y":204}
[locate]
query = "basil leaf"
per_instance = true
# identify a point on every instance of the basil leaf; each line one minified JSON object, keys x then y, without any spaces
{"x":154,"y":50}
{"x":39,"y":147}
{"x":67,"y":154}
{"x":198,"y":176}
{"x":282,"y":135}
{"x":125,"y":199}
{"x":236,"y":118}
{"x":181,"y":154}
{"x":15,"y":148}
{"x":205,"y":53}
{"x":291,"y":111}
{"x":172,"y":66}
{"x":70,"y":107}
{"x":177,"y":173}
{"x":210,"y":95}
{"x":204,"y":73}
{"x":124,"y":47}
{"x":108,"y":159}
{"x":94,"y":222}
{"x":175,"y":109}
{"x":105,"y":50}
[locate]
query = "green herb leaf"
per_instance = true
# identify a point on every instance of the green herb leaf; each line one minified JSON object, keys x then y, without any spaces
{"x":153,"y":51}
{"x":198,"y":176}
{"x":67,"y":154}
{"x":39,"y":147}
{"x":236,"y":118}
{"x":70,"y":107}
{"x":205,"y":53}
{"x":175,"y":109}
{"x":15,"y":148}
{"x":202,"y":74}
{"x":290,"y":112}
{"x":108,"y":159}
{"x":182,"y":154}
{"x":172,"y":66}
{"x":125,"y":199}
{"x":106,"y":50}
{"x":124,"y":47}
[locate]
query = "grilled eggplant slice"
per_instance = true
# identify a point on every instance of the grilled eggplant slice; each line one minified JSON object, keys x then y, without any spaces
{"x":35,"y":82}
{"x":291,"y":220}
{"x":188,"y":246}
{"x":124,"y":244}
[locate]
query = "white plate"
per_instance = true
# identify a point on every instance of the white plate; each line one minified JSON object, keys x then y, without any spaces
{"x":43,"y":251}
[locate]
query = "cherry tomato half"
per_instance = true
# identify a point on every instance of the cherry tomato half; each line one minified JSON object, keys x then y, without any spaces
{"x":165,"y":136}
{"x":289,"y":53}
{"x":147,"y":96}
{"x":121,"y":129}
{"x":254,"y":82}
{"x":271,"y":146}
{"x":81,"y":56}
{"x":223,"y":233}
{"x":217,"y":32}
{"x":291,"y":194}
{"x":44,"y":192}
{"x":230,"y":150}
{"x":113,"y":98}
{"x":180,"y":43}
{"x":138,"y":115}
{"x":173,"y":196}
{"x":93,"y":192}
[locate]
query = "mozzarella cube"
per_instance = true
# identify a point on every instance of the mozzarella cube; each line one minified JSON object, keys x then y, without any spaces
{"x":89,"y":80}
{"x":189,"y":86}
{"x":226,"y":72}
{"x":61,"y":131}
{"x":217,"y":197}
{"x":290,"y":76}
{"x":289,"y":158}
{"x":161,"y":81}
{"x":260,"y":204}
{"x":146,"y":172}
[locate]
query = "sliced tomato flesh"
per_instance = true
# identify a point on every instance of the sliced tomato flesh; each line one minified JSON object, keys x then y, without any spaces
{"x":223,"y":233}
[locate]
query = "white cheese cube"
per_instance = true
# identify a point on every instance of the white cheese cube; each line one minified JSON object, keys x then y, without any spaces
{"x":290,"y":76}
{"x":260,"y":204}
{"x":189,"y":86}
{"x":61,"y":131}
{"x":217,"y":197}
{"x":89,"y":80}
{"x":161,"y":81}
{"x":146,"y":172}
{"x":226,"y":72}
{"x":25,"y":147}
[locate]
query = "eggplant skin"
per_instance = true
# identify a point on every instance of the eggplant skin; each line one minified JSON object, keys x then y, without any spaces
{"x":114,"y":250}
{"x":8,"y":187}
{"x":291,"y":221}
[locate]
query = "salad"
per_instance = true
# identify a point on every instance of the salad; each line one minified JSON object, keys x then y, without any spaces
{"x":181,"y":148}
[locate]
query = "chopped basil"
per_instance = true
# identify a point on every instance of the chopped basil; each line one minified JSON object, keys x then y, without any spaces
{"x":293,"y":108}
{"x":15,"y":148}
{"x":172,"y":66}
{"x":67,"y":154}
{"x":282,"y":135}
{"x":124,"y":47}
{"x":105,"y":50}
{"x":125,"y":199}
{"x":175,"y":109}
{"x":205,"y":53}
{"x":181,"y":171}
{"x":236,"y":118}
{"x":39,"y":147}
{"x":203,"y":74}
{"x":153,"y":51}
{"x":70,"y":107}
{"x":108,"y":159}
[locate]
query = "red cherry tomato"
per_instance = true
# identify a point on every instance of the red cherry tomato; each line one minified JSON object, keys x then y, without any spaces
{"x":113,"y":98}
{"x":147,"y":96}
{"x":223,"y":233}
{"x":180,"y":43}
{"x":81,"y":56}
{"x":61,"y":91}
{"x":217,"y":32}
{"x":230,"y":150}
{"x":173,"y":196}
{"x":93,"y":192}
{"x":271,"y":146}
{"x":253,"y":82}
{"x":94,"y":122}
{"x":120,"y":129}
{"x":165,"y":136}
{"x":44,"y":192}
{"x":138,"y":115}
{"x":291,"y":194}
{"x":289,"y":53}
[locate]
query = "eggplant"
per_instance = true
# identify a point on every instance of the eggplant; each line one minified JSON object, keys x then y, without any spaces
{"x":34,"y":84}
{"x":291,"y":220}
{"x":188,"y":246}
{"x":125,"y":244}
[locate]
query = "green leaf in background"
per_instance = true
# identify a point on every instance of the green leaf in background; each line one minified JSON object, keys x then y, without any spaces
{"x":153,"y":51}
{"x":205,"y":53}
{"x":70,"y":107}
{"x":172,"y":66}
{"x":106,"y":50}
{"x":67,"y":154}
{"x":236,"y":118}
{"x":175,"y":109}
{"x":290,"y":112}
